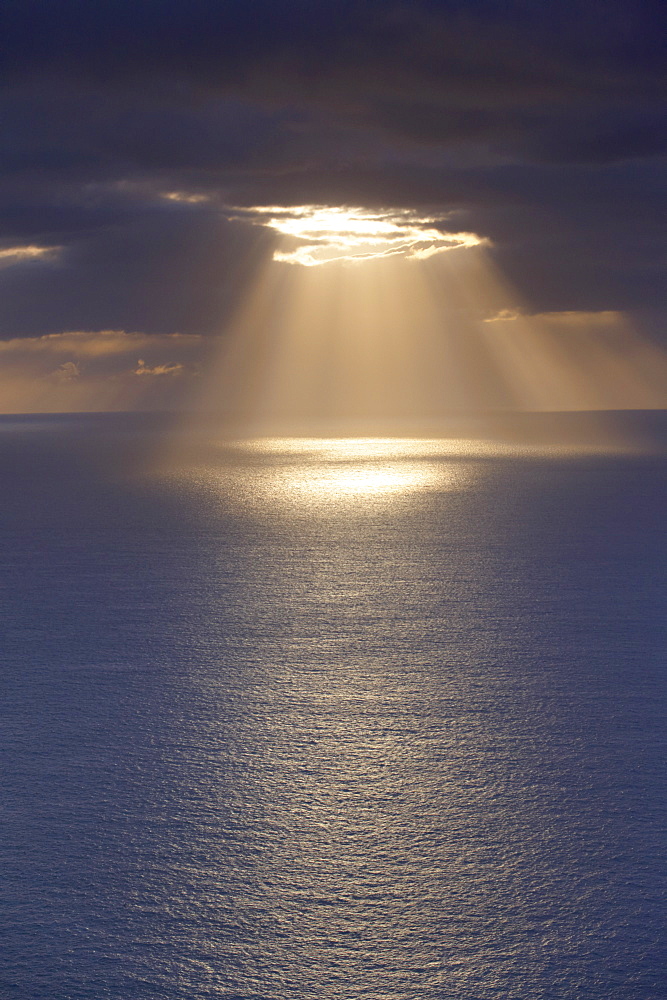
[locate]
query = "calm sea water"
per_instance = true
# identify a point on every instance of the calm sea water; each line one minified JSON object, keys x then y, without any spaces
{"x":329,"y":719}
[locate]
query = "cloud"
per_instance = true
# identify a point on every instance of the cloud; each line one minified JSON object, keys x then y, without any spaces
{"x":166,"y":369}
{"x":68,"y":371}
{"x":185,"y":197}
{"x":568,"y":319}
{"x":497,"y":49}
{"x":573,"y":319}
{"x":503,"y":316}
{"x":172,"y":269}
{"x":104,"y":347}
{"x":128,"y":127}
{"x":316,"y":234}
{"x":19,"y":254}
{"x":96,"y":370}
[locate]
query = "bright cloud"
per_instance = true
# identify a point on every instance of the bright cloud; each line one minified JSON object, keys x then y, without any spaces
{"x":313,"y":234}
{"x":30,"y":251}
{"x":185,"y":197}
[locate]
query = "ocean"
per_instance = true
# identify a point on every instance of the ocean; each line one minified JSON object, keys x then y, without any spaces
{"x":330,"y":719}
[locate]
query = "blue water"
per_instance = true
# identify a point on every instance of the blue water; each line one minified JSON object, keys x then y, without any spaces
{"x":329,"y":720}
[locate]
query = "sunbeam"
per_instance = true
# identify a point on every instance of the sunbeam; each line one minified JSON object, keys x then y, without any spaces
{"x":393,"y":341}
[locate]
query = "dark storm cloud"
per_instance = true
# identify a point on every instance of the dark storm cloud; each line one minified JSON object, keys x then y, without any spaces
{"x":538,"y":125}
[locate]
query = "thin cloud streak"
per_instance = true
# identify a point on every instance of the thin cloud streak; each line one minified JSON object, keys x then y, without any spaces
{"x":9,"y":256}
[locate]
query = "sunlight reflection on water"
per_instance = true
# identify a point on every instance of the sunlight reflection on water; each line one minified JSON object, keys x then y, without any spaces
{"x":328,"y":471}
{"x":341,"y":474}
{"x":335,"y":472}
{"x":332,"y":719}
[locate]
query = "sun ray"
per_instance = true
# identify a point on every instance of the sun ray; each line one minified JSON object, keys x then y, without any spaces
{"x":394,"y":342}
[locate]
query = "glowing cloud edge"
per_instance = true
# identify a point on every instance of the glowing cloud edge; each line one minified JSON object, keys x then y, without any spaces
{"x":352,"y":235}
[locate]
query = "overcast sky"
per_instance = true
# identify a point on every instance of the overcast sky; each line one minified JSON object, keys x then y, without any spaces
{"x":538,"y":126}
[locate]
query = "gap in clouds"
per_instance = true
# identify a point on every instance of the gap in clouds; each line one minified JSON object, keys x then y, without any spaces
{"x":313,"y":235}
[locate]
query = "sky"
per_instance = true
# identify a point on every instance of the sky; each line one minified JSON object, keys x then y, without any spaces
{"x":149,"y":148}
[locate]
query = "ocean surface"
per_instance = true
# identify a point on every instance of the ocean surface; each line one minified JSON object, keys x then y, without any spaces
{"x":330,"y":719}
